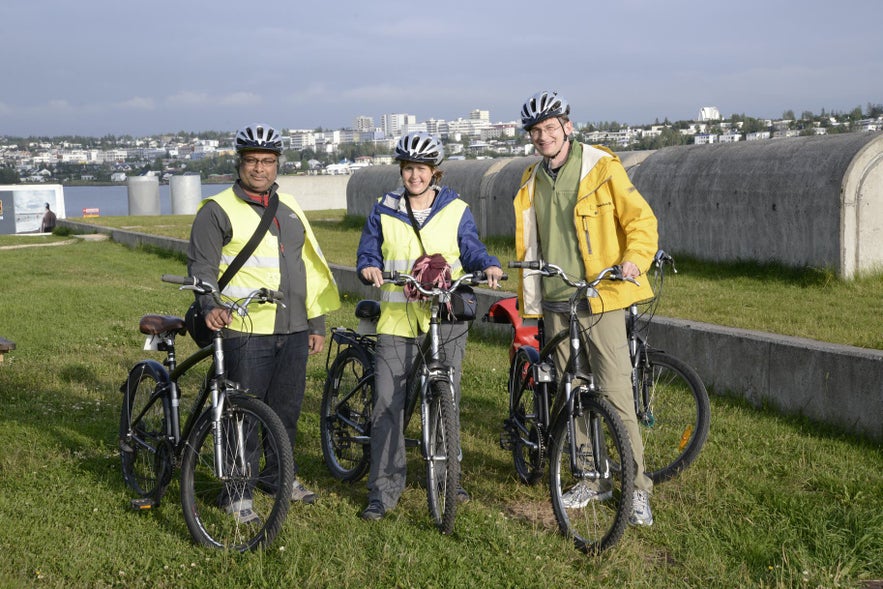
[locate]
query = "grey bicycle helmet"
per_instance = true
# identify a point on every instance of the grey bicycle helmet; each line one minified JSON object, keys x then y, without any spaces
{"x":258,"y":137}
{"x":541,"y":106}
{"x":421,"y":148}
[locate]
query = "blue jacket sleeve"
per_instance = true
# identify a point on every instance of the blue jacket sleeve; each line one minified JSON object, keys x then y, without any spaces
{"x":473,"y":253}
{"x":369,"y":252}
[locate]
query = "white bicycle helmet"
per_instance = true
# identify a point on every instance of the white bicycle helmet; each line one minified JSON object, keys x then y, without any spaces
{"x":258,"y":137}
{"x":541,"y":106}
{"x":421,"y":148}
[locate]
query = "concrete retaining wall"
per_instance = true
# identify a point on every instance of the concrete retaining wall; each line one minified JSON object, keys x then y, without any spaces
{"x":316,"y":192}
{"x":828,"y":383}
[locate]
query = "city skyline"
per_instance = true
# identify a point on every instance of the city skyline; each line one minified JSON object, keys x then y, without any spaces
{"x":120,"y":69}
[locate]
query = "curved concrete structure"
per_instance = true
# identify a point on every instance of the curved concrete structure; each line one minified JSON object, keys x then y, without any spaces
{"x":805,"y":201}
{"x":186,"y":193}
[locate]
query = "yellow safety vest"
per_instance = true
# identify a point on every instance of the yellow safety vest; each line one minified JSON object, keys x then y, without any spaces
{"x":261,"y":269}
{"x":400,"y":249}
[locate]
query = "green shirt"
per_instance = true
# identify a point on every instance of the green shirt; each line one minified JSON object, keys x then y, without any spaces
{"x":554,"y":201}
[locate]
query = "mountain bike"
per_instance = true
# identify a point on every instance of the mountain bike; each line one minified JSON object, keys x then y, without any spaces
{"x":348,"y":400}
{"x":233,"y":453}
{"x":585,"y":437}
{"x":671,"y":401}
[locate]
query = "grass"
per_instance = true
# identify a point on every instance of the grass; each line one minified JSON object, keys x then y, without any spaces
{"x":770,"y":502}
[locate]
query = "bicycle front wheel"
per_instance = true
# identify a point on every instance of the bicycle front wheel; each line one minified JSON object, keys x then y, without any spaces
{"x":442,"y":456}
{"x":244,"y":506}
{"x":345,"y":425}
{"x":673,"y":414}
{"x":591,"y":495}
{"x":145,"y":451}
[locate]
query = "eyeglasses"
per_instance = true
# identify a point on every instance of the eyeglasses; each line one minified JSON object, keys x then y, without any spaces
{"x":550,"y":129}
{"x":252,"y":162}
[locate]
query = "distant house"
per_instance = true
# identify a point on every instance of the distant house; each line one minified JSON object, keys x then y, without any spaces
{"x":118,"y":177}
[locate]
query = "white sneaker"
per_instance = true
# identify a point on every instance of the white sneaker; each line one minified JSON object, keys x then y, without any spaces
{"x":641,"y":514}
{"x":242,"y":512}
{"x":301,"y":493}
{"x":581,"y":494}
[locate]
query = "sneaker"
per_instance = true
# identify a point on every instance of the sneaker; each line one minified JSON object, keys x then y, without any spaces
{"x":462,"y":495}
{"x":374,"y":511}
{"x":581,"y":494}
{"x":243,"y":513}
{"x":641,"y":514}
{"x":301,"y":493}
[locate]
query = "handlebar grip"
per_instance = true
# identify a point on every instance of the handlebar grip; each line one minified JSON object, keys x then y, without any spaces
{"x":504,"y":276}
{"x":275,"y":295}
{"x":387,"y":275}
{"x":530,"y":264}
{"x":173,"y":279}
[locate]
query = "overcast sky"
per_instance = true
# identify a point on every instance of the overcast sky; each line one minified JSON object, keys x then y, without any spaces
{"x":94,"y":67}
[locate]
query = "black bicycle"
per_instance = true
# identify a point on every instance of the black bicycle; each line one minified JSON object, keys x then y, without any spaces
{"x":348,"y":399}
{"x":234,"y":456}
{"x":671,"y":401}
{"x":584,"y":435}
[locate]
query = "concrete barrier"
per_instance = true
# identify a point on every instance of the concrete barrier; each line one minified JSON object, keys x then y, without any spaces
{"x":828,"y":383}
{"x":316,"y":192}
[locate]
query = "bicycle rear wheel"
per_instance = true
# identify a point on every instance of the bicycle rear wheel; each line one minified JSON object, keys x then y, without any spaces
{"x":442,"y":456}
{"x":145,"y":451}
{"x":246,"y":506}
{"x":524,"y":427}
{"x":345,"y":426}
{"x":591,"y":495}
{"x":673,"y":415}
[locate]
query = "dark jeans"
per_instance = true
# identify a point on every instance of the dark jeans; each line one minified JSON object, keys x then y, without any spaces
{"x":273,"y":369}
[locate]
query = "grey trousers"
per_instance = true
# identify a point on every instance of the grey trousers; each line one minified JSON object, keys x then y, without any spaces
{"x":394,"y":357}
{"x":608,"y":355}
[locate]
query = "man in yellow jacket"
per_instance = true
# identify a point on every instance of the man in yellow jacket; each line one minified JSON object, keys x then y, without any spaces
{"x":578,"y":209}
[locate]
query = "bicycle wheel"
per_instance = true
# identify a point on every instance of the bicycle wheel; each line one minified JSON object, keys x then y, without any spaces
{"x":245,"y":507}
{"x":673,"y":414}
{"x":524,"y":427}
{"x":345,"y":426}
{"x":145,"y":451}
{"x":591,"y":495}
{"x":442,"y":456}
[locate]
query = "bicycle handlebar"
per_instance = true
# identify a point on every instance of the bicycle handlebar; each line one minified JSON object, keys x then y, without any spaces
{"x":261,"y":295}
{"x":547,"y":270}
{"x":403,"y":278}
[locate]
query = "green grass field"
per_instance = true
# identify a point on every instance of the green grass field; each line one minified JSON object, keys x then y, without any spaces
{"x":771,"y":501}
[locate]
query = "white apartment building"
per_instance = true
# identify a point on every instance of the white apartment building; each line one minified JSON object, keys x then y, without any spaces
{"x":300,"y":139}
{"x":709,"y":113}
{"x":363,"y":123}
{"x":392,"y":124}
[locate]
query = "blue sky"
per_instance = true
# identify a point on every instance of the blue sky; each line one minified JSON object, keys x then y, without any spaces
{"x":99,"y":66}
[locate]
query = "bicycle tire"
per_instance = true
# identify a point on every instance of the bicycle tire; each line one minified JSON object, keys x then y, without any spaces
{"x":594,"y":525}
{"x":145,"y":455}
{"x":442,"y":456}
{"x":526,"y":434}
{"x":675,"y":419}
{"x":345,"y":424}
{"x":267,"y":486}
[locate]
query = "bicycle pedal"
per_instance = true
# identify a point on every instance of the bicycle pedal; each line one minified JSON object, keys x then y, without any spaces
{"x":142,"y":504}
{"x":505,"y":440}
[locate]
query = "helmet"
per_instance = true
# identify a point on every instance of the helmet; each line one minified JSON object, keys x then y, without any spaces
{"x":258,"y":136}
{"x":421,"y":148}
{"x":541,"y":106}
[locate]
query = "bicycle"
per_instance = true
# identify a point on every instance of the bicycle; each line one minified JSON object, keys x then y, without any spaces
{"x":671,"y":401}
{"x":348,"y":400}
{"x":232,"y":451}
{"x":587,"y":440}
